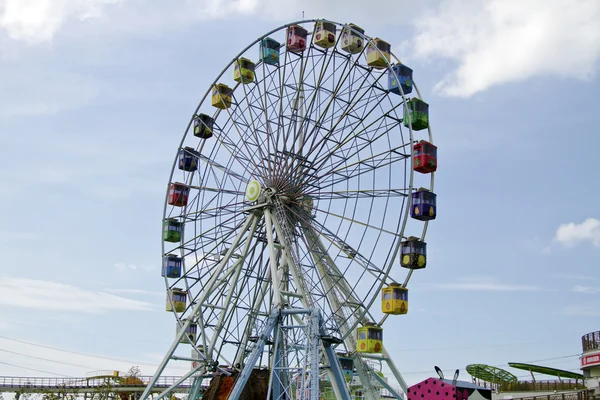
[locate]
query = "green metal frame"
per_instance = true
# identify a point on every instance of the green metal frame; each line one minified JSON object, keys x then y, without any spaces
{"x":490,"y":374}
{"x":546,"y":370}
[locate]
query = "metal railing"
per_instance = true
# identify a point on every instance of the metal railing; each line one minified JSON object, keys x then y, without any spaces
{"x":580,"y":395}
{"x":15,"y":382}
{"x":531,"y":386}
{"x":591,"y":341}
{"x":102,"y":374}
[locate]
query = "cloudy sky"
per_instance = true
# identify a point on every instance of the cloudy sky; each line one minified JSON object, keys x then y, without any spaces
{"x":94,"y":98}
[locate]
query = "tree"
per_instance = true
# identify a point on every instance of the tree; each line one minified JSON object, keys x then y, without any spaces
{"x":132,"y":378}
{"x":134,"y":372}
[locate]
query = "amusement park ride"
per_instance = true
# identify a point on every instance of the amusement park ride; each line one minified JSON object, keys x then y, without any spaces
{"x":286,"y":218}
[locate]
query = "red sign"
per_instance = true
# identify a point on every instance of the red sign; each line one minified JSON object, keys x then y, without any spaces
{"x":590,"y":360}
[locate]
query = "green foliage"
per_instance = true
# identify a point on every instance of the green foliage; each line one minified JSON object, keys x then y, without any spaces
{"x":134,"y":372}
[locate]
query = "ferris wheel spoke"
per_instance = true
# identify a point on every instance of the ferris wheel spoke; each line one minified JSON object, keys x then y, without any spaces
{"x":214,"y":169}
{"x":367,"y":164}
{"x":260,"y":126}
{"x":309,"y":79}
{"x":302,"y":282}
{"x":215,"y":181}
{"x":363,"y":261}
{"x":230,"y":288}
{"x":222,"y":168}
{"x":211,"y":239}
{"x":310,"y":231}
{"x":240,"y":127}
{"x":288,"y":155}
{"x":358,"y":194}
{"x":344,"y":113}
{"x":325,"y":280}
{"x":217,"y":190}
{"x":292,"y":96}
{"x":254,"y":124}
{"x":215,"y":274}
{"x":259,"y":309}
{"x":321,"y":108}
{"x":279,"y":104}
{"x":340,"y":294}
{"x":268,"y":99}
{"x":208,"y":213}
{"x":268,"y":103}
{"x":295,"y":92}
{"x":370,"y":133}
{"x":236,"y":154}
{"x":338,"y":90}
{"x":355,"y":221}
{"x":195,"y":272}
{"x":344,"y":171}
{"x":325,"y":105}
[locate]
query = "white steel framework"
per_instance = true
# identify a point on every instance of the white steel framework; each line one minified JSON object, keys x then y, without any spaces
{"x":293,"y":221}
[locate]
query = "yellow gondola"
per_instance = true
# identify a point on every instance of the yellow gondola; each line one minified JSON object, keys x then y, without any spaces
{"x":243,"y":71}
{"x":221,"y":96}
{"x":352,"y":39}
{"x":378,"y":59}
{"x":394,"y":299}
{"x":324,"y":35}
{"x":370,"y":338}
{"x":179,"y":297}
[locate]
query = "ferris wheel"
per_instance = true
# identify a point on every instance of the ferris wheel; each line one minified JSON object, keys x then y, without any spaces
{"x":293,"y":218}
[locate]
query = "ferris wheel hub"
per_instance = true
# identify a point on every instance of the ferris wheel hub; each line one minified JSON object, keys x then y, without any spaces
{"x":253,"y":190}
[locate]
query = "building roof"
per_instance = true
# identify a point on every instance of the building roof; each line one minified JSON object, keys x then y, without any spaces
{"x":546,"y":370}
{"x":490,"y":374}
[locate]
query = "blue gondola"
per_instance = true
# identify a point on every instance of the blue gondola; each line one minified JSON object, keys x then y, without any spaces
{"x":188,"y":159}
{"x":347,"y":365}
{"x":171,"y":266}
{"x":269,"y":51}
{"x":405,"y":75}
{"x":423,"y":205}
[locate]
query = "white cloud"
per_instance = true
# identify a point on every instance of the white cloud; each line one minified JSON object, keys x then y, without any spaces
{"x":136,"y":291}
{"x":48,"y":91}
{"x":278,"y":9}
{"x":573,"y":277}
{"x":45,"y":356}
{"x":572,"y":233}
{"x":38,"y":21}
{"x":483,"y":283}
{"x":123,"y":267}
{"x":17,"y":236}
{"x":585,"y":289}
{"x":5,"y":325}
{"x":500,"y":41}
{"x":47,"y":295}
{"x":580,"y":311}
